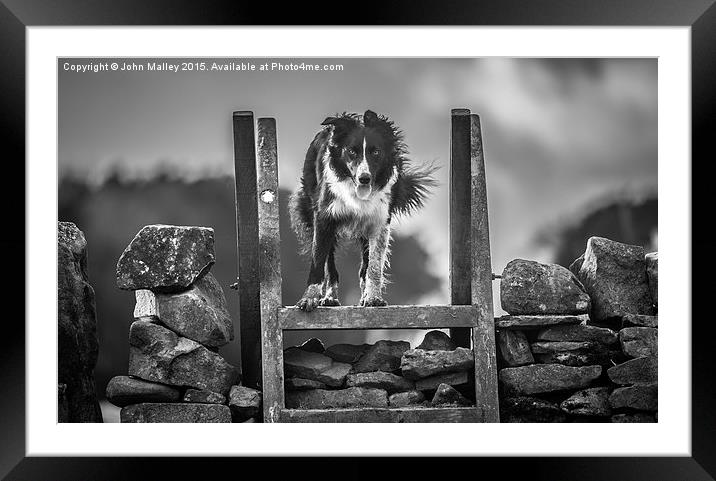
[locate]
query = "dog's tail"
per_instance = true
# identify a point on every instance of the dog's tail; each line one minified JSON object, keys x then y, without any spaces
{"x":412,"y":188}
{"x":300,"y":209}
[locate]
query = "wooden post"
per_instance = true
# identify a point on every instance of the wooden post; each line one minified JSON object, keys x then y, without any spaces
{"x":483,"y":336}
{"x":270,"y":269}
{"x":247,"y":247}
{"x":460,"y":258}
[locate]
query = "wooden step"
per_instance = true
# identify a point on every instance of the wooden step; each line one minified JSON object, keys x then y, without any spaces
{"x":388,"y":317}
{"x":383,"y":415}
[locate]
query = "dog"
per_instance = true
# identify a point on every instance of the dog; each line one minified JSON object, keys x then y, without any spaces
{"x":356,"y":179}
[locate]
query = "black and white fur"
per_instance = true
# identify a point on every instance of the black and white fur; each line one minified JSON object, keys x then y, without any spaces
{"x":356,"y":178}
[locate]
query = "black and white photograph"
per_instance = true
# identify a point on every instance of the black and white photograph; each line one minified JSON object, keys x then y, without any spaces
{"x":280,"y":239}
{"x":357,"y":240}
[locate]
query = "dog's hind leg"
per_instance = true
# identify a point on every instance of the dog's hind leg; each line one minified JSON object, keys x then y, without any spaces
{"x":330,"y":296}
{"x":324,"y":240}
{"x":377,"y":258}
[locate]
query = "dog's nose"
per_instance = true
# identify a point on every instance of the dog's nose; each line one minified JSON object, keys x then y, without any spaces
{"x":364,"y":179}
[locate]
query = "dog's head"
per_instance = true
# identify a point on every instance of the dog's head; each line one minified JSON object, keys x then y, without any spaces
{"x":364,"y":149}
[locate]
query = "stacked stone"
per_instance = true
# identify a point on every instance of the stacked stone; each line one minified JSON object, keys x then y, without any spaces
{"x":622,"y":281}
{"x":176,"y":373}
{"x":77,"y":330}
{"x":381,"y":375}
{"x":579,"y":346}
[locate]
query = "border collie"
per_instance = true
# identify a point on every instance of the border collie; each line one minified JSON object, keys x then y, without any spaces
{"x":356,"y":178}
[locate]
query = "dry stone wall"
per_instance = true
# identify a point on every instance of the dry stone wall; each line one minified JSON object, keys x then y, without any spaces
{"x":176,"y":373}
{"x":387,"y":374}
{"x":577,"y":345}
{"x":580,"y":344}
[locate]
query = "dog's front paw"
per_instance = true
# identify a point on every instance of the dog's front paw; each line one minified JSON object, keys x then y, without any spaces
{"x":373,"y":301}
{"x":330,"y":301}
{"x":308,"y":304}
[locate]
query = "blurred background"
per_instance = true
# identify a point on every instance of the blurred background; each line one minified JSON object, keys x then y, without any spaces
{"x":570,"y":151}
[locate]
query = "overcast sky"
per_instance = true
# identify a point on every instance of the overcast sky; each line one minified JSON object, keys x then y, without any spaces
{"x":558,"y":133}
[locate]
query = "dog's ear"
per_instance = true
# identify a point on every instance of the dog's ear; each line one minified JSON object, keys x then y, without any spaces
{"x":370,"y":117}
{"x":374,"y":121}
{"x":340,"y":123}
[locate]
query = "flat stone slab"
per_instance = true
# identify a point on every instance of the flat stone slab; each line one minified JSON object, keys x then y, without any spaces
{"x":166,"y":258}
{"x":244,"y":403}
{"x":652,"y":275}
{"x":352,"y":397}
{"x":542,"y":378}
{"x":526,"y":322}
{"x":335,"y":376}
{"x":640,"y":397}
{"x":548,"y":347}
{"x":633,"y":418}
{"x":407,"y":398}
{"x":382,"y":356}
{"x":614,"y":275}
{"x":529,"y":287}
{"x":639,"y":341}
{"x":514,"y":348}
{"x":203,"y":396}
{"x":317,"y":367}
{"x":418,"y":363}
{"x":588,"y":402}
{"x":578,"y":332}
{"x":124,"y":390}
{"x":305,"y":364}
{"x":640,"y":320}
{"x":298,"y":384}
{"x":349,"y":353}
{"x":160,"y":355}
{"x":450,"y":378}
{"x":643,"y":370}
{"x":446,"y":395}
{"x":437,"y":341}
{"x":576,"y":358}
{"x":380,"y":380}
{"x":527,"y":409}
{"x":175,"y":413}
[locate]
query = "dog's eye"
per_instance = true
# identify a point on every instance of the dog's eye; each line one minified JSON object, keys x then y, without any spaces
{"x":376,"y":152}
{"x":351,"y":151}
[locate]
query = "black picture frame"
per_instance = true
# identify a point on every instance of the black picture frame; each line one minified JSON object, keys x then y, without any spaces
{"x":16,"y":15}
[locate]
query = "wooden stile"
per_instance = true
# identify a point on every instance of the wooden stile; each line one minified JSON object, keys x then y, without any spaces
{"x":247,"y":234}
{"x":469,"y":317}
{"x":483,"y":335}
{"x":389,"y":317}
{"x":382,"y":415}
{"x":460,"y":238}
{"x":269,"y":269}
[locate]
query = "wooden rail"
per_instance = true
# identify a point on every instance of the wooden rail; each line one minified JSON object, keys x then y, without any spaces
{"x":383,"y":415}
{"x":389,"y":317}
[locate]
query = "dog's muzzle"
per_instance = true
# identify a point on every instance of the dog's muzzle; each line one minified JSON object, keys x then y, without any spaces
{"x":363,"y":187}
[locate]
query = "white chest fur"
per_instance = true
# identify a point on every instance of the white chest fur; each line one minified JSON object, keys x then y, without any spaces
{"x":361,"y":217}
